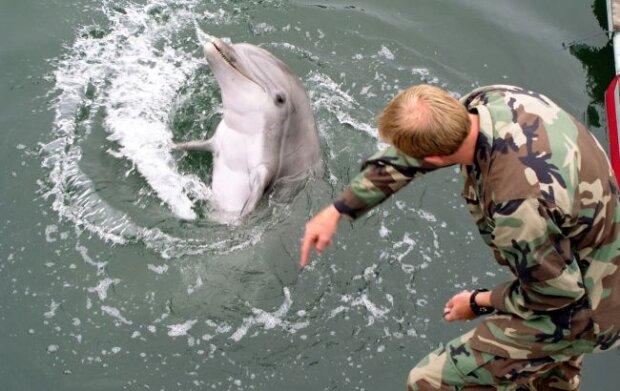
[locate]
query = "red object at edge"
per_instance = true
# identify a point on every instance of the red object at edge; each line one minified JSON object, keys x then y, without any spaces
{"x":612,"y":104}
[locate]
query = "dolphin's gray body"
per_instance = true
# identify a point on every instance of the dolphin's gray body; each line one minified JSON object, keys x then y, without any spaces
{"x":267,"y":137}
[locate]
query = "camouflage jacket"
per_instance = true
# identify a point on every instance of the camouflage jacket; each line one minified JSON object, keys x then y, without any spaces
{"x":544,"y":198}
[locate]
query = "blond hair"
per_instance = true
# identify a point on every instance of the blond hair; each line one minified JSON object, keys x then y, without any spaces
{"x":424,"y":121}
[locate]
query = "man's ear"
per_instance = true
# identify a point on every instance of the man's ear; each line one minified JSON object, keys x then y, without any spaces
{"x":436,"y":160}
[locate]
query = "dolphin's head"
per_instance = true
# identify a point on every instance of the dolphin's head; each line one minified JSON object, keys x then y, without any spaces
{"x":262,"y":97}
{"x":253,"y":81}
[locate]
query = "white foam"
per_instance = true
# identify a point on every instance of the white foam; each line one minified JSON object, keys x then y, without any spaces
{"x":263,"y":28}
{"x":428,"y":216}
{"x":84,"y":253}
{"x":52,"y":311}
{"x":144,"y":82}
{"x":372,"y":308}
{"x":384,"y":231}
{"x":386,"y":53}
{"x":161,"y":269}
{"x":50,"y":230}
{"x":178,"y":330}
{"x":115,"y":313}
{"x":425,"y":75}
{"x":52,"y":348}
{"x":197,"y":285}
{"x":270,"y":320}
{"x":139,"y":98}
{"x":408,"y":243}
{"x":136,"y":76}
{"x":337,"y":311}
{"x":326,"y":94}
{"x":102,"y":287}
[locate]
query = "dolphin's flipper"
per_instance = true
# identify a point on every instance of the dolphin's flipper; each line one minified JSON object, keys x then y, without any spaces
{"x":196,"y":145}
{"x":259,"y":179}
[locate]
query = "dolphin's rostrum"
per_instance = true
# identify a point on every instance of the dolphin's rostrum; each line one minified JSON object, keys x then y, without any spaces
{"x":267,"y":138}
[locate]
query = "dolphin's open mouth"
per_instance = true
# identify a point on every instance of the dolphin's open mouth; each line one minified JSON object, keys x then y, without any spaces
{"x":230,"y":62}
{"x":224,"y":56}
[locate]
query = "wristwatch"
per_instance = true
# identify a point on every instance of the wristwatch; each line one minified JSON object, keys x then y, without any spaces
{"x":475,"y":308}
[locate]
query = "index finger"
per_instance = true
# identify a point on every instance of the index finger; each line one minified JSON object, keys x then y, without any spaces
{"x":305,"y":251}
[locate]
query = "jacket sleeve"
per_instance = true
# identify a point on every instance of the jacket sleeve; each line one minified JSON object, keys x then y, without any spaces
{"x":382,"y":175}
{"x":530,"y":242}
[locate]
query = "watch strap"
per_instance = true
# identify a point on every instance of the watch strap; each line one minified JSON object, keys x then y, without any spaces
{"x":477,"y":309}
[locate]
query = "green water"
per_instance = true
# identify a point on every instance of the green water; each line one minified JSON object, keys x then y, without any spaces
{"x":103,"y":288}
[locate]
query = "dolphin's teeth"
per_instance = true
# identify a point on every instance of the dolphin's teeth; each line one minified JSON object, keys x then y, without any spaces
{"x":228,"y":60}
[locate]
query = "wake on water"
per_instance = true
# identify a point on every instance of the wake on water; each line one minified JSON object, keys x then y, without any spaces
{"x":120,"y":84}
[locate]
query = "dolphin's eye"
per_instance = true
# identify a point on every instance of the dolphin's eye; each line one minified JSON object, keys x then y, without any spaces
{"x":280,"y":99}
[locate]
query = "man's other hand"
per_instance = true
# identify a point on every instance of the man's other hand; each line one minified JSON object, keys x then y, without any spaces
{"x":458,"y":308}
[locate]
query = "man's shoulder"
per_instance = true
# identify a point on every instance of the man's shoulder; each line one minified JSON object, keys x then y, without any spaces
{"x":508,"y":96}
{"x":518,"y":120}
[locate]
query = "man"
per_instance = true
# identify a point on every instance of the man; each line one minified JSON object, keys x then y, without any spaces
{"x":543,"y":196}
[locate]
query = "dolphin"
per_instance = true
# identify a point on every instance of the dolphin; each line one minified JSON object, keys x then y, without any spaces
{"x":267,"y":137}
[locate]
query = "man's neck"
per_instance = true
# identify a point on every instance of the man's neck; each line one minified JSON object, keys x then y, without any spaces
{"x":466,"y":153}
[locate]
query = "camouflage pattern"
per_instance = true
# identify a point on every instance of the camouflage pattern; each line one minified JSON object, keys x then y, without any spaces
{"x":543,"y":195}
{"x":458,"y":366}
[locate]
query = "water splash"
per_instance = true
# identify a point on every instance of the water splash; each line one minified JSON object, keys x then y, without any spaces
{"x":131,"y":71}
{"x":115,"y":92}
